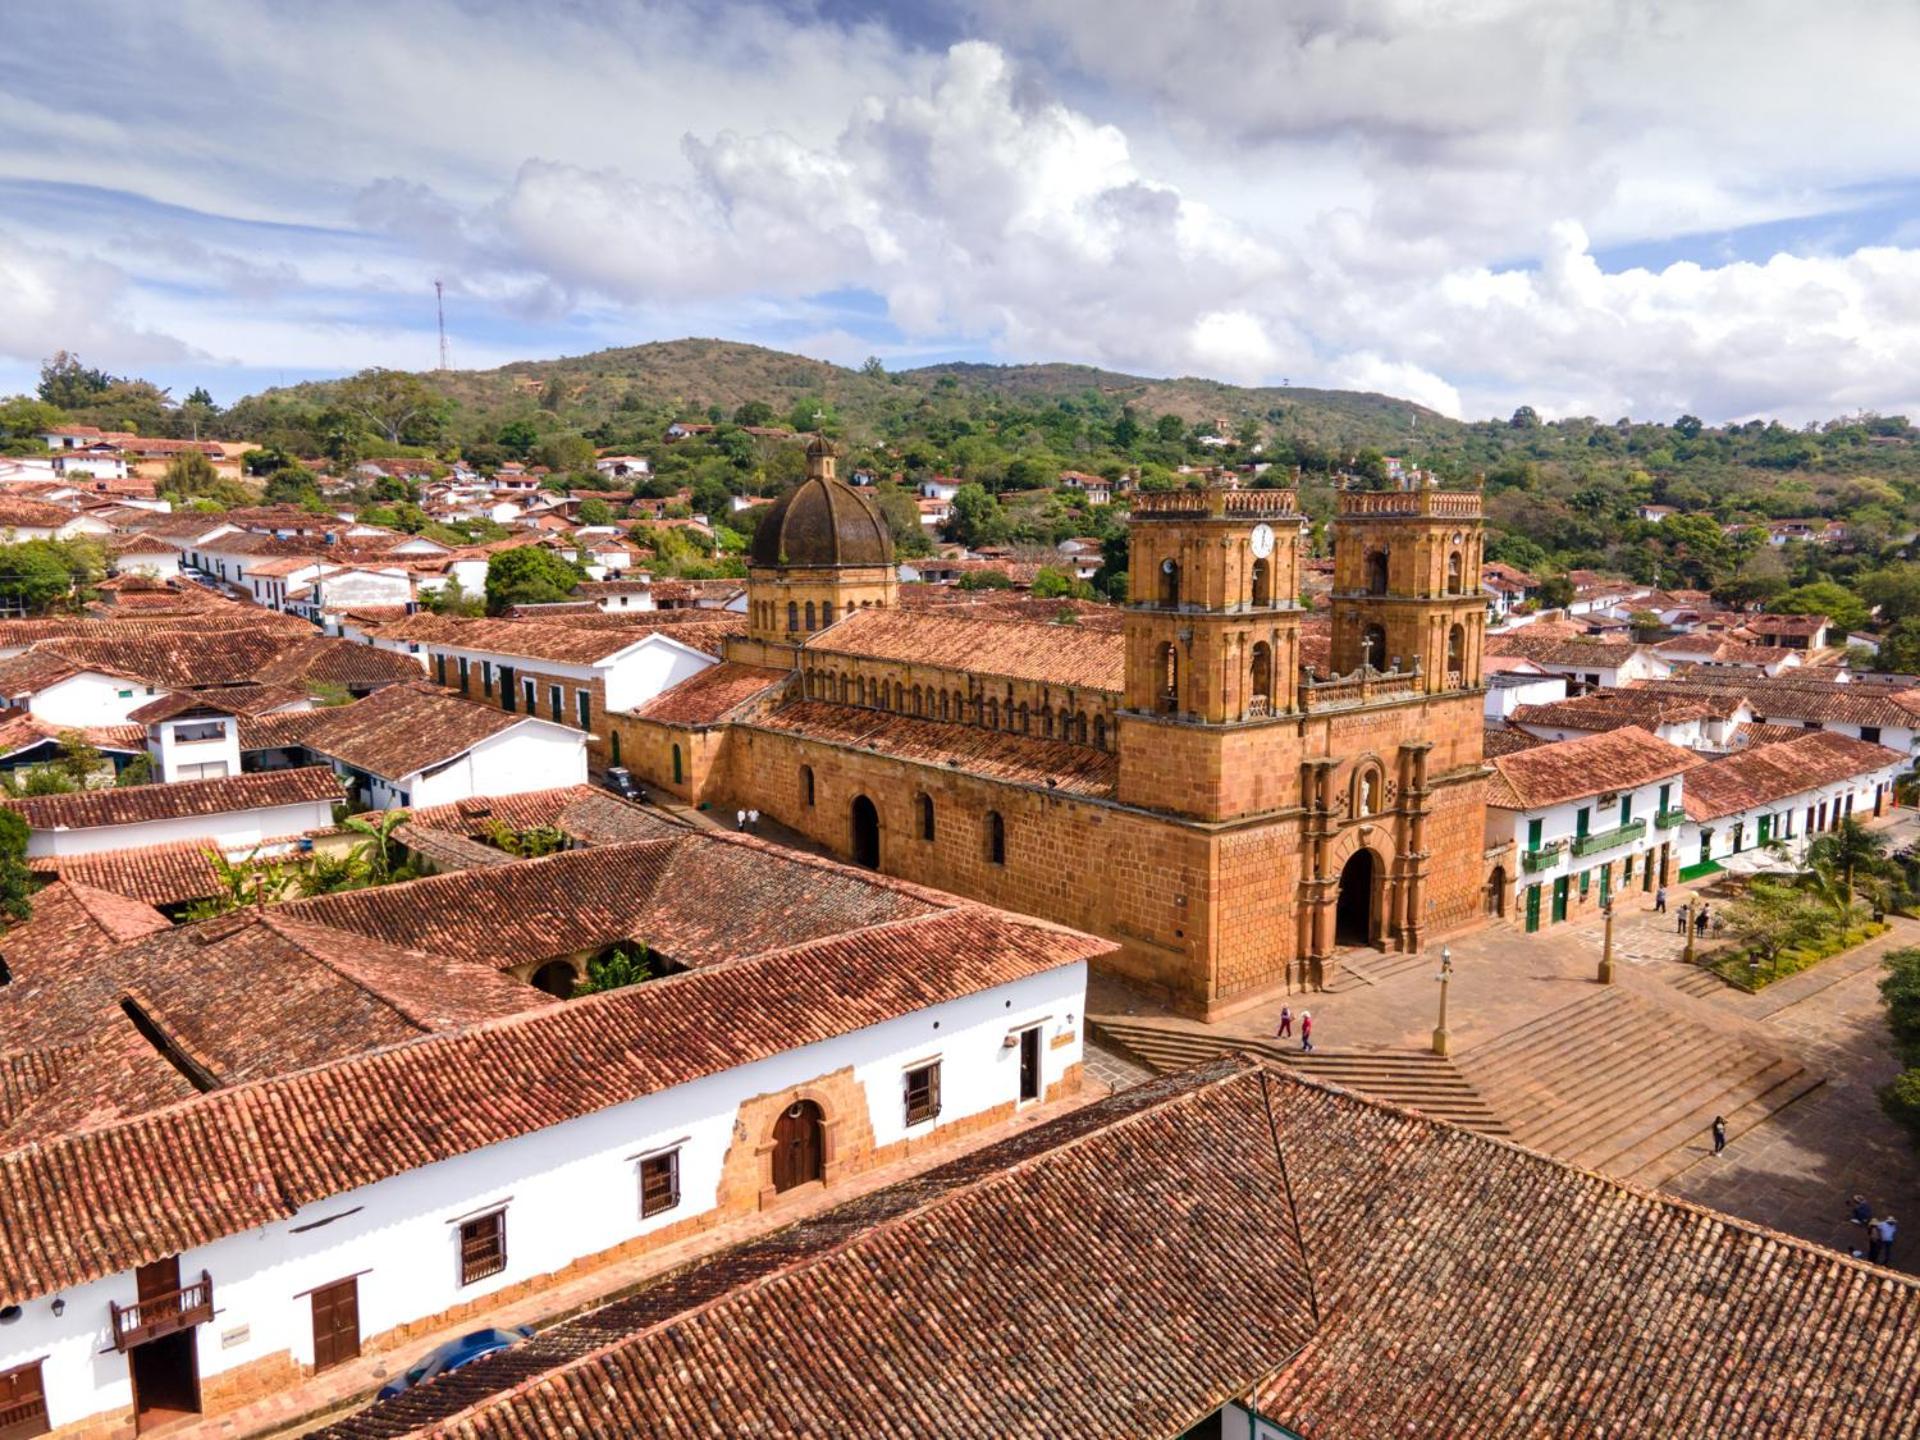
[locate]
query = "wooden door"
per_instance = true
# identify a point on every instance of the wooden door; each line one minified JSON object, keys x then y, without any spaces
{"x":336,"y":1323}
{"x":1030,"y":1064}
{"x":158,"y":1279}
{"x":1533,"y":908}
{"x":23,"y":1403}
{"x":798,"y":1151}
{"x":1559,"y":899}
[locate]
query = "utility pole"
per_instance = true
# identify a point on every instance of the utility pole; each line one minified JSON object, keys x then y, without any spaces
{"x":440,"y":305}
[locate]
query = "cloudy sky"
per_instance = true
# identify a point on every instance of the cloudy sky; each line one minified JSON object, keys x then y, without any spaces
{"x":1597,"y":207}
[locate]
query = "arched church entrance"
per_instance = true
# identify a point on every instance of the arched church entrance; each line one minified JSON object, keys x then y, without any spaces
{"x":1497,"y":892}
{"x":866,"y":833}
{"x":799,"y":1146}
{"x":1353,"y":911}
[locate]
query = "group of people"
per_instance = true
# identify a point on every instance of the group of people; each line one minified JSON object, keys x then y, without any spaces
{"x":1880,"y":1232}
{"x":746,"y":819}
{"x":1306,"y":1026}
{"x":1699,"y":920}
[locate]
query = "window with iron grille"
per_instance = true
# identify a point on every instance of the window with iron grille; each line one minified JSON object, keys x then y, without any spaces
{"x":483,"y":1247}
{"x":659,"y":1183}
{"x":923,"y":1093}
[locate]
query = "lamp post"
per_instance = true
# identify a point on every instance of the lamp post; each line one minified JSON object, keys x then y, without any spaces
{"x":1606,"y":945}
{"x":1690,"y":905}
{"x":1446,"y":974}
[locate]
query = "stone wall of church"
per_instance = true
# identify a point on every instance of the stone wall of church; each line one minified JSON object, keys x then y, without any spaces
{"x":1080,"y":714}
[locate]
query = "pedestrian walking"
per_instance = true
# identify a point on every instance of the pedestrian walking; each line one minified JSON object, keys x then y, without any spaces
{"x":1306,"y":1030}
{"x":1700,"y":922}
{"x":1862,"y":1213}
{"x":1719,"y":1133}
{"x":1660,"y":901}
{"x":740,"y":820}
{"x":1873,"y":1242}
{"x":1680,"y":923}
{"x":1880,"y":1240}
{"x":753,"y":821}
{"x":1286,"y":1023}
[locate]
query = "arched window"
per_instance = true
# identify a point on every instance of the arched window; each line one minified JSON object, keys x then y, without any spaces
{"x":843,"y":689}
{"x":1262,"y":583}
{"x":826,"y":613}
{"x":1373,"y":647}
{"x":1376,"y":572}
{"x":809,"y":617}
{"x":806,"y":784}
{"x":1456,"y":582}
{"x":677,"y":771}
{"x":1169,"y":584}
{"x":918,"y":702}
{"x":1168,"y":670}
{"x":1080,"y":727}
{"x":1262,"y":678}
{"x":946,"y":704}
{"x":1046,"y":721}
{"x":1099,"y":731}
{"x":996,"y":839}
{"x":1456,"y":657}
{"x":899,"y":697}
{"x":1023,"y":717}
{"x":860,"y":690}
{"x":993,"y":714}
{"x":924,"y":805}
{"x":793,"y":616}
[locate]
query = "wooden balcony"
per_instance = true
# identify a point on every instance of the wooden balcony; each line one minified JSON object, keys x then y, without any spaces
{"x":162,"y":1314}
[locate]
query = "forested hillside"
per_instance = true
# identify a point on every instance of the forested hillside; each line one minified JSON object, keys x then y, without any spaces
{"x":1561,"y":494}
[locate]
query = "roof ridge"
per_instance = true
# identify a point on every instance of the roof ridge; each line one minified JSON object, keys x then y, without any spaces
{"x":288,"y":928}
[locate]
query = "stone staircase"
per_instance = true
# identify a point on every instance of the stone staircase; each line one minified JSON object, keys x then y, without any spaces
{"x":1621,"y":1085}
{"x":1427,"y":1083}
{"x":1359,"y":969}
{"x":1698,"y":981}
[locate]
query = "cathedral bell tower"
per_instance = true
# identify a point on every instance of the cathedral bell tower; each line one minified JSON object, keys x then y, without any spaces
{"x":1406,"y":585}
{"x":1213,"y":645}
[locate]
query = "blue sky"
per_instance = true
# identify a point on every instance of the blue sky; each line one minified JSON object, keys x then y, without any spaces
{"x":1625,"y":208}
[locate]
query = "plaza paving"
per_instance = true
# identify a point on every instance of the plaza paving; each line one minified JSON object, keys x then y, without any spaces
{"x":1627,"y":1078}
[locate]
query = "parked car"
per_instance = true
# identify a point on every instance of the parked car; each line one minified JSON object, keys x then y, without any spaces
{"x":620,"y":781}
{"x":455,"y":1355}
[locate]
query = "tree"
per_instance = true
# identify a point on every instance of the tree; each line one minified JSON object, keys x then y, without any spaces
{"x":392,"y":402}
{"x":24,"y":419}
{"x":80,"y":759}
{"x":595,"y":512}
{"x":1771,"y":918}
{"x":753,"y":412}
{"x":190,"y":475}
{"x":67,"y":383}
{"x":1051,"y":584}
{"x":977,"y":518}
{"x":1851,"y":851}
{"x":37,"y":574}
{"x":16,"y":880}
{"x":1824,"y":597}
{"x":564,"y":452}
{"x":451,"y":598}
{"x":1525,"y":418}
{"x":617,"y":969}
{"x":529,"y":575}
{"x":518,"y":437}
{"x":294,"y":485}
{"x":137,"y":771}
{"x":1688,"y":427}
{"x":379,"y":853}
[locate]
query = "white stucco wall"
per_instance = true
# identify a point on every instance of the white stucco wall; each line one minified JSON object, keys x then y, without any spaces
{"x":234,"y":832}
{"x":571,"y":1190}
{"x":91,"y":699}
{"x":533,"y":755}
{"x":177,"y":759}
{"x":1561,"y":823}
{"x":656,"y":665}
{"x":1788,"y":818}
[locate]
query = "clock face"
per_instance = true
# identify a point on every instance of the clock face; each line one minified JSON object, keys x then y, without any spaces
{"x":1262,"y":541}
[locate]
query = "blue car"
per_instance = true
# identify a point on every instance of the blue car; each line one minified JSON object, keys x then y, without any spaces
{"x":454,"y":1355}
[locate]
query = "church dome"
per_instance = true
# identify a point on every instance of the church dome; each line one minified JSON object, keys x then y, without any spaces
{"x":822,"y":522}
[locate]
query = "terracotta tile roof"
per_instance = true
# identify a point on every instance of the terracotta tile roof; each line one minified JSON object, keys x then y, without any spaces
{"x":714,"y":693}
{"x":19,"y":513}
{"x":195,"y":659}
{"x":1791,"y":696}
{"x":1612,"y":709}
{"x":238,"y":700}
{"x":31,"y":672}
{"x":1770,"y":773}
{"x":169,"y":874}
{"x":1114,"y":1272}
{"x":1500,"y":740}
{"x":1753,"y":735}
{"x":707,"y":631}
{"x":1722,"y":650}
{"x":658,"y":891}
{"x":1797,"y":626}
{"x":327,"y":660}
{"x":70,"y":920}
{"x":1592,"y":765}
{"x":529,"y":639}
{"x":1361,"y":1271}
{"x":87,"y":809}
{"x":400,"y":729}
{"x":279,"y":731}
{"x":1019,"y":759}
{"x":253,"y":1154}
{"x":1068,"y":655}
{"x":588,"y":814}
{"x":1548,"y":649}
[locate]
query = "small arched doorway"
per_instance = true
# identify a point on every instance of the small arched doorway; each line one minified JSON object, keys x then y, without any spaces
{"x":799,"y":1149}
{"x":1353,"y":911}
{"x":1497,"y":892}
{"x":555,"y":978}
{"x":866,"y":833}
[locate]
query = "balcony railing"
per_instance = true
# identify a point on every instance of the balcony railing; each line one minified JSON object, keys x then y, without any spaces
{"x":1364,"y":686}
{"x":1667,"y":819}
{"x":162,"y":1314}
{"x":1443,"y":504}
{"x":1216,"y":500}
{"x":1545,"y":858}
{"x":1606,"y":839}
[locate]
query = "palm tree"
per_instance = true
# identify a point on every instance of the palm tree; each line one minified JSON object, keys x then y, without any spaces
{"x":377,"y":851}
{"x":1850,"y":849}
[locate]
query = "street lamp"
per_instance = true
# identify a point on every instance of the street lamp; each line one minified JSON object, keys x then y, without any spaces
{"x":1606,"y":945}
{"x":1445,"y":975}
